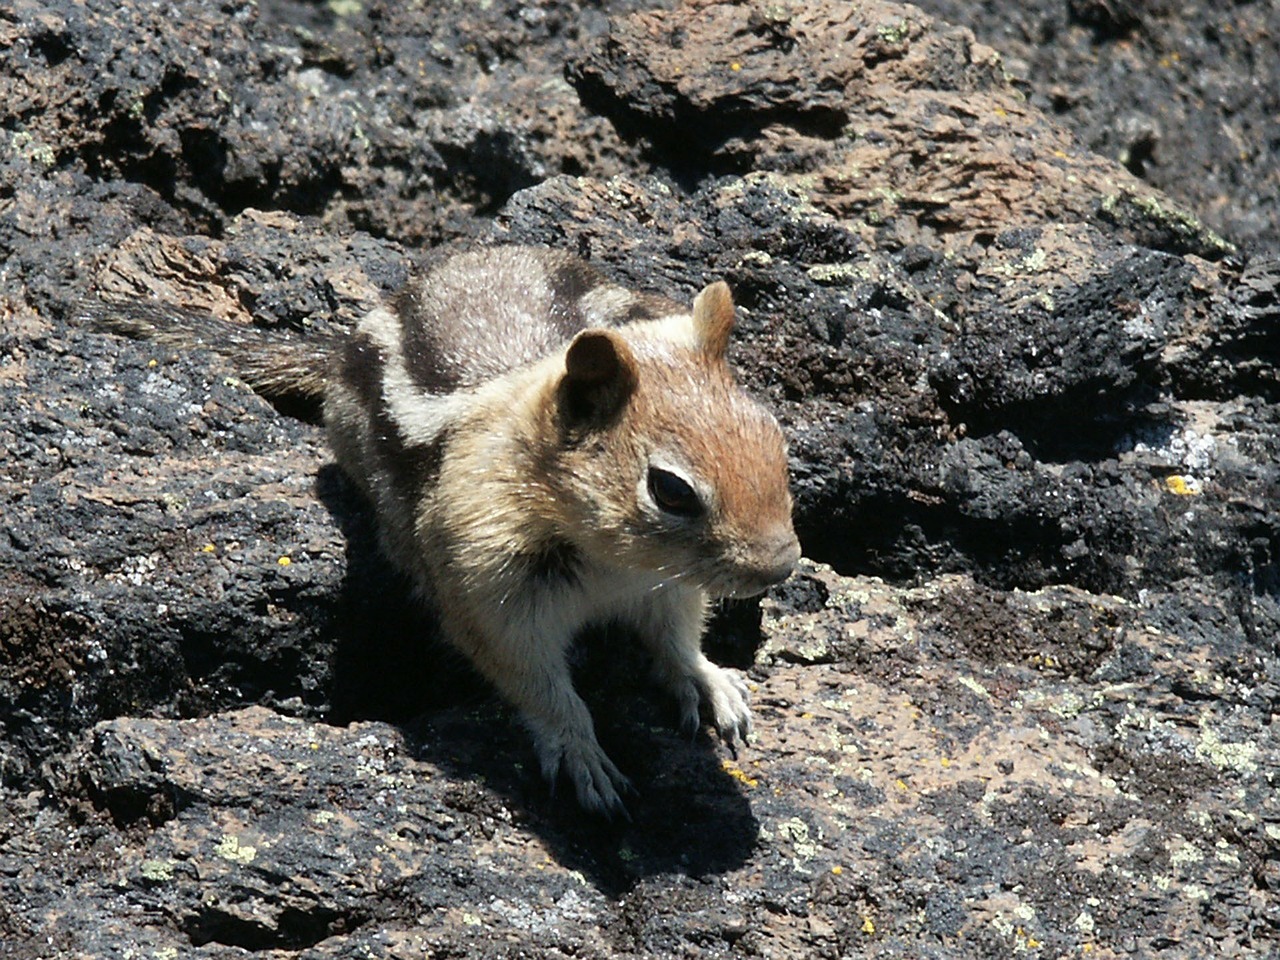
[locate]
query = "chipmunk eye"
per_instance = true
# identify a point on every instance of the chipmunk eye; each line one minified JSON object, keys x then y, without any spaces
{"x":673,"y":494}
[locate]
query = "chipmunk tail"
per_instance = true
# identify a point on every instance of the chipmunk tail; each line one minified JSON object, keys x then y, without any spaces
{"x":280,"y":365}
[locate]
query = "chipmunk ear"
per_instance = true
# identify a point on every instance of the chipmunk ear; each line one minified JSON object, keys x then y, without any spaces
{"x":600,"y":373}
{"x":713,"y":318}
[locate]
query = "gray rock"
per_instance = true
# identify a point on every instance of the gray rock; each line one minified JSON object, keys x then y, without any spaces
{"x":1033,"y":413}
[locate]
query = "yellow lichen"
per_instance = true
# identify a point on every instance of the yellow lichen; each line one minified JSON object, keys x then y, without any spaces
{"x":1182,"y":486}
{"x":733,"y":770}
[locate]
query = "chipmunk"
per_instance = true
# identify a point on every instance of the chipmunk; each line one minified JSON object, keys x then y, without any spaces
{"x":545,"y":449}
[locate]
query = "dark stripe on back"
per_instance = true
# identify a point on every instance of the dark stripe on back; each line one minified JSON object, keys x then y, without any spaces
{"x":649,"y":306}
{"x":362,"y":367}
{"x":410,"y":466}
{"x":419,"y":339}
{"x":569,"y":282}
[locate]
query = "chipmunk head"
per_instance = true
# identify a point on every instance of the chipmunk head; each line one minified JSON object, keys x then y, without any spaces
{"x":674,"y":469}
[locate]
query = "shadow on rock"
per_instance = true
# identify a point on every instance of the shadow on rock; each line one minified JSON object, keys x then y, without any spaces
{"x":689,"y":813}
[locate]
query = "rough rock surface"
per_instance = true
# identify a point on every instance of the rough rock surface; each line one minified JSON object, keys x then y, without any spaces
{"x":1033,"y":406}
{"x":1182,"y":94}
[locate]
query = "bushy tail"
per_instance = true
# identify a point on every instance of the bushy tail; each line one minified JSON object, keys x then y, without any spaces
{"x":278,"y":365}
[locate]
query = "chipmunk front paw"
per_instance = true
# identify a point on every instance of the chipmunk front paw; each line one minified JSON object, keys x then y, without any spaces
{"x":726,"y":697}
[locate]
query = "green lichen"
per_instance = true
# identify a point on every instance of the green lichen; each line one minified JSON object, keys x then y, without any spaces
{"x":1241,"y":757}
{"x":895,"y":33}
{"x":817,"y":652}
{"x":23,"y":144}
{"x":1177,"y":221}
{"x":975,"y":686}
{"x":796,"y":831}
{"x":1035,"y":261}
{"x":774,"y":13}
{"x":1185,"y":854}
{"x":230,"y":848}
{"x":834,"y":274}
{"x":157,"y":871}
{"x":174,"y":503}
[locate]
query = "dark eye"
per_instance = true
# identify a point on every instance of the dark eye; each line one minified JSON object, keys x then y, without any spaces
{"x":673,"y":494}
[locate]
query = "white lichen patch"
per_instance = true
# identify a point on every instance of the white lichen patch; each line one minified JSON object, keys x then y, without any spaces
{"x":135,"y":570}
{"x":570,"y":907}
{"x":975,"y":686}
{"x":1192,"y":453}
{"x":1241,"y":757}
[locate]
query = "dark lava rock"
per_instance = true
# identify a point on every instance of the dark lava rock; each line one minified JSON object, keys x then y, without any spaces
{"x":1035,"y":425}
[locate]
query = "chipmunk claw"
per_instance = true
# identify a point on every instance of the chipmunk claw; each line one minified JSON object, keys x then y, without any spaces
{"x":729,"y":699}
{"x":722,"y":694}
{"x":598,"y":785}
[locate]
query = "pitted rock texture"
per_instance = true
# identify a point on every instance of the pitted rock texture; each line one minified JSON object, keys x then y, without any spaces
{"x":399,"y":121}
{"x":1033,"y":411}
{"x":1181,"y":94}
{"x":896,"y":117}
{"x":944,"y":770}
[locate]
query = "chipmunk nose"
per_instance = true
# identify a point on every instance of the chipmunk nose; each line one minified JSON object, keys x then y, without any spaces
{"x":773,"y":562}
{"x":786,"y":554}
{"x":760,"y":566}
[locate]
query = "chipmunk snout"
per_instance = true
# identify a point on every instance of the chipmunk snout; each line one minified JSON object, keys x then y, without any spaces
{"x":772,"y":562}
{"x":786,"y":555}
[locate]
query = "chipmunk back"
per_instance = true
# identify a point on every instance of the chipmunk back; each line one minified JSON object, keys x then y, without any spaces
{"x":545,"y":449}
